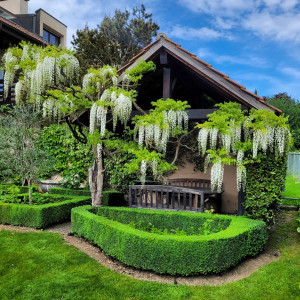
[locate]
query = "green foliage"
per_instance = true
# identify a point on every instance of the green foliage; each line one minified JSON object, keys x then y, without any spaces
{"x":67,"y":191}
{"x":290,"y":108}
{"x":135,"y":73}
{"x":36,"y":198}
{"x":209,"y":226}
{"x":39,"y":216}
{"x":115,"y":40}
{"x":117,"y":175}
{"x":110,"y":198}
{"x":20,"y":154}
{"x":72,"y":158}
{"x":172,"y":254}
{"x":265,"y":183}
{"x":224,"y":117}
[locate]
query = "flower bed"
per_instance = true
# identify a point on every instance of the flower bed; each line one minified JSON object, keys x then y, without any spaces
{"x":214,"y":252}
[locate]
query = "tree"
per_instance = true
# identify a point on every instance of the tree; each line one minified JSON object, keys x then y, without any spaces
{"x":291,"y":108}
{"x":48,"y":78}
{"x":20,"y":155}
{"x":115,"y":40}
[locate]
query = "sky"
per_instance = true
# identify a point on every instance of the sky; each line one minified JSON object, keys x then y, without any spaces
{"x":255,"y":42}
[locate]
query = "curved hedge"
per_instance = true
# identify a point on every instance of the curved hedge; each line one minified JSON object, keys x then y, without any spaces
{"x":171,"y":254}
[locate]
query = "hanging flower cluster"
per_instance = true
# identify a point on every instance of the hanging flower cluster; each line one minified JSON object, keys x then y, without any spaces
{"x":51,"y":68}
{"x":176,"y":119}
{"x":98,"y":78}
{"x":121,"y":109}
{"x":11,"y":66}
{"x":154,"y":134}
{"x":156,"y":128}
{"x":217,"y":173}
{"x":143,"y":171}
{"x":228,"y":128}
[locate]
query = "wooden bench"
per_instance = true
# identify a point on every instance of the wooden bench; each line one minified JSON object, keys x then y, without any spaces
{"x":179,"y":194}
{"x":166,"y":197}
{"x":212,"y":199}
{"x":189,"y":182}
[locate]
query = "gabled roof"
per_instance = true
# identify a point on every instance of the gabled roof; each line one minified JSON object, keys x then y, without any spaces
{"x":202,"y":68}
{"x":21,"y":30}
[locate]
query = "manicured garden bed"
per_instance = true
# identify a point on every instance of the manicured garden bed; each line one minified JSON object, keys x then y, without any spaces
{"x":40,"y":216}
{"x":210,"y":252}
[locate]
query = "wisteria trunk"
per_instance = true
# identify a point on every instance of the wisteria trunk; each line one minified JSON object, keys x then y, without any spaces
{"x":96,"y":173}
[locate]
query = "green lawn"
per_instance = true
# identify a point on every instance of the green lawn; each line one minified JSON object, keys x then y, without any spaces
{"x":292,"y":190}
{"x":41,"y":266}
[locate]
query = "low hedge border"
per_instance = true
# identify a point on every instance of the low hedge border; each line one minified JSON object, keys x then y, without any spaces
{"x":23,"y":189}
{"x":110,"y":198}
{"x":170,"y":254}
{"x":39,"y":216}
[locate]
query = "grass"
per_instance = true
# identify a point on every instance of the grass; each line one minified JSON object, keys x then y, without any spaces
{"x":292,"y":190}
{"x":41,"y":266}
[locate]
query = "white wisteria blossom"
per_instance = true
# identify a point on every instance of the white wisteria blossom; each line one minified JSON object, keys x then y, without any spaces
{"x":217,"y":173}
{"x":143,"y":171}
{"x":202,"y":140}
{"x":10,"y":63}
{"x":18,"y":91}
{"x":121,"y":110}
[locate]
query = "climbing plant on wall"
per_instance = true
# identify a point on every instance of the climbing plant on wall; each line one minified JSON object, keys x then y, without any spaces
{"x":232,"y":137}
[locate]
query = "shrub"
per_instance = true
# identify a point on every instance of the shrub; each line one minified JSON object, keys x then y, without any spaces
{"x":171,"y":254}
{"x":110,"y":198}
{"x":39,"y":216}
{"x":64,"y":191}
{"x":265,"y":183}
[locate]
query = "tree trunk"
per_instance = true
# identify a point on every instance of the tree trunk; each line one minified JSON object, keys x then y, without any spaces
{"x":96,"y":173}
{"x":29,"y":191}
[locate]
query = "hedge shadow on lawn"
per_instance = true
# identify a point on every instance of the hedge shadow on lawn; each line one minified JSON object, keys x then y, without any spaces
{"x":169,"y":254}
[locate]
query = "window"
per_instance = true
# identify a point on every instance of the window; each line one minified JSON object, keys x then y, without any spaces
{"x":51,"y":38}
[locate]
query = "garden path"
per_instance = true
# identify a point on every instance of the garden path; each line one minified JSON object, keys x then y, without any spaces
{"x":243,"y":270}
{"x":63,"y":228}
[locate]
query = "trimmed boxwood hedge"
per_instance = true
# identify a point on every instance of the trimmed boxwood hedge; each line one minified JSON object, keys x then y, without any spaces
{"x":39,"y":216}
{"x":169,"y":254}
{"x":110,"y":198}
{"x":23,"y":189}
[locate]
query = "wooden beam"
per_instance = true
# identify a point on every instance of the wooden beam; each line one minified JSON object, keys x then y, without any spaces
{"x":163,"y":58}
{"x":167,"y":83}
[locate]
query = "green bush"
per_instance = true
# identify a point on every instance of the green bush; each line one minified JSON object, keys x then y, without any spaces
{"x":64,"y":191}
{"x":39,"y":216}
{"x":171,"y":254}
{"x":265,"y":183}
{"x":110,"y":198}
{"x":7,"y":187}
{"x":72,"y":157}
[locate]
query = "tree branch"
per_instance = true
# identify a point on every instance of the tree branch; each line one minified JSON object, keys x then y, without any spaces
{"x":139,"y":108}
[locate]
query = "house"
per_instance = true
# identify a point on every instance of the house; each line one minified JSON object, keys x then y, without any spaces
{"x":17,"y":25}
{"x":181,"y":75}
{"x":39,"y":23}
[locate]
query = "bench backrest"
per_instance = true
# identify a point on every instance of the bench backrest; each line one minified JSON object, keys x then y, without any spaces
{"x":189,"y":182}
